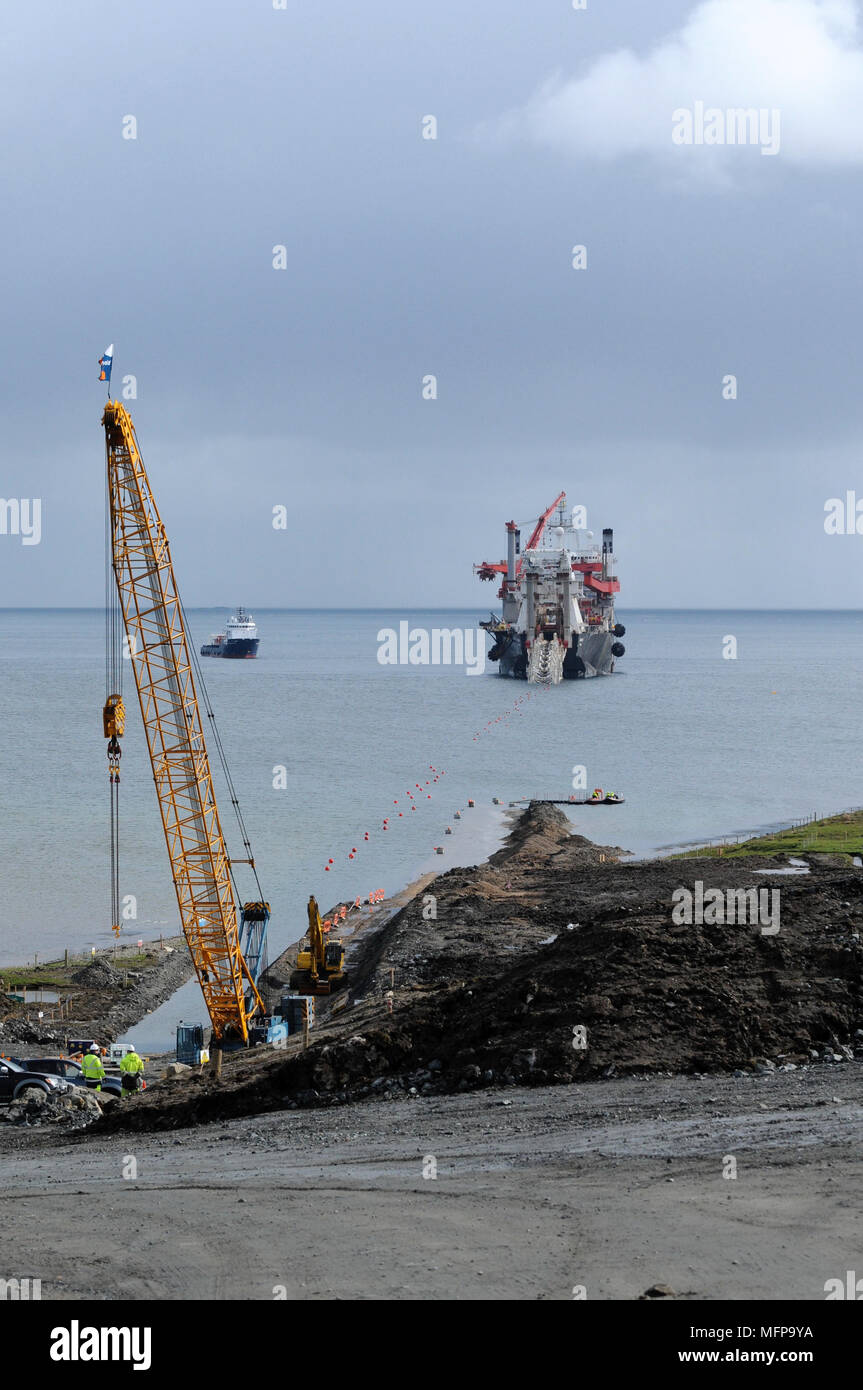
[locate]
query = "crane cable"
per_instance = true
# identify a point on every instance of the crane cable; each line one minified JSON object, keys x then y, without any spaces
{"x":113,"y":707}
{"x":217,"y":739}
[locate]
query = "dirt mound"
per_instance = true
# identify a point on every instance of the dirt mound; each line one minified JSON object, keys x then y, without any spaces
{"x":553,"y":965}
{"x":544,"y":832}
{"x":649,"y":996}
{"x":98,"y":974}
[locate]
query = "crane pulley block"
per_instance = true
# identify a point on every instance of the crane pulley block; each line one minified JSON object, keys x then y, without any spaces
{"x":114,"y":717}
{"x":256,"y":912}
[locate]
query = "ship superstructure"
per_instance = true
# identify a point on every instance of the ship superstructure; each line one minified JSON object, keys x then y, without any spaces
{"x":240,"y":638}
{"x":558,"y":594}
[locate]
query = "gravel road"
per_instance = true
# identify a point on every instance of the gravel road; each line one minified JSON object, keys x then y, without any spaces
{"x":615,"y":1186}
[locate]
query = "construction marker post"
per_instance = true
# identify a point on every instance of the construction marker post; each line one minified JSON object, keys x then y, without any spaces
{"x":217,"y":1061}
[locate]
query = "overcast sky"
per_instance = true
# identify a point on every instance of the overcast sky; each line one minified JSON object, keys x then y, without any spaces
{"x":302,"y":127}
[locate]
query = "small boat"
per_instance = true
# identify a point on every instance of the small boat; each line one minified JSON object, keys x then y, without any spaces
{"x":239,"y":640}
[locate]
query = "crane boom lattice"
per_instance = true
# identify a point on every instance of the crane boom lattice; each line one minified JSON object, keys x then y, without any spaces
{"x":160,"y":659}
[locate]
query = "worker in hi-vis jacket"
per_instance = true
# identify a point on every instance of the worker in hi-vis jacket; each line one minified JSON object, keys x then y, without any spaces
{"x":131,"y":1068}
{"x":91,"y":1066}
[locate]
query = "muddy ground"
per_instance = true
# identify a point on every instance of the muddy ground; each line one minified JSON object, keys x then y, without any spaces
{"x":614,"y":1187}
{"x":556,"y":935}
{"x":460,"y":1147}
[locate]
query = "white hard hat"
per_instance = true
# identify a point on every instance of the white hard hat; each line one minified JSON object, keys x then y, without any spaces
{"x":94,"y":1047}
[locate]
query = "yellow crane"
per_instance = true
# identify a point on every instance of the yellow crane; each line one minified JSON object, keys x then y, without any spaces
{"x":145,"y":614}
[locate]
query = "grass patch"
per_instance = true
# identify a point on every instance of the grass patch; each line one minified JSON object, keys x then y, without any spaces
{"x":840,"y":834}
{"x":57,"y":975}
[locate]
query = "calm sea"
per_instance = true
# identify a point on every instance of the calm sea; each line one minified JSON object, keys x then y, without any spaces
{"x":699,"y":745}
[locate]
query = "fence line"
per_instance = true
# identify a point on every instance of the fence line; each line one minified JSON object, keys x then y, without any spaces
{"x":841,"y":831}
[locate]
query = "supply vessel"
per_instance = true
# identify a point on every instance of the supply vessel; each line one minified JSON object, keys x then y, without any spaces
{"x":240,"y":638}
{"x":557,"y":621}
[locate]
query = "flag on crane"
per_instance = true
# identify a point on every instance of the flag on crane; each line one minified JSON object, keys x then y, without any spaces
{"x":105,"y":364}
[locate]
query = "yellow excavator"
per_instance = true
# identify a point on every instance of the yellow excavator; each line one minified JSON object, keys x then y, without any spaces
{"x":320,"y":963}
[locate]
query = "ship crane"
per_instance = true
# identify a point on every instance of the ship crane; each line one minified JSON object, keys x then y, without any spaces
{"x":227,"y":941}
{"x":488,"y":571}
{"x":539,"y":529}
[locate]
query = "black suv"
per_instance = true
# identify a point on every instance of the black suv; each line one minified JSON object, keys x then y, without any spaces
{"x":69,"y":1070}
{"x":14,"y":1079}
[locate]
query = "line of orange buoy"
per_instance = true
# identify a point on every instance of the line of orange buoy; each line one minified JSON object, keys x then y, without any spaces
{"x":508,"y":713}
{"x":411,"y":800}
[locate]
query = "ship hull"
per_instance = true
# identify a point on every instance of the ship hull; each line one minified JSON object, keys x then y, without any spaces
{"x":590,"y":655}
{"x":238,"y":648}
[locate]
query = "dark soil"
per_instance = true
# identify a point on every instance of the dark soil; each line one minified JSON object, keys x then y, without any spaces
{"x":483,"y":995}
